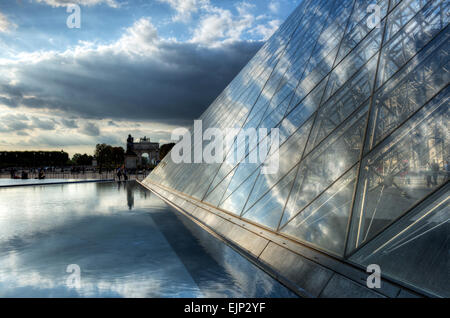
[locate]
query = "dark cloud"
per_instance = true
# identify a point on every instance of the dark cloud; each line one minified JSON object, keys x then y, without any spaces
{"x":17,"y":125}
{"x":90,"y":129}
{"x":14,"y":123}
{"x":43,"y":124}
{"x":8,"y":101}
{"x":19,"y":122}
{"x":68,"y":123}
{"x":14,"y":92}
{"x":174,"y":85}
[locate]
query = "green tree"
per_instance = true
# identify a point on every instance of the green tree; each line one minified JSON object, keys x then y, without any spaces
{"x":103,"y":154}
{"x":82,"y":160}
{"x":118,"y":156}
{"x":33,"y":159}
{"x":108,"y":156}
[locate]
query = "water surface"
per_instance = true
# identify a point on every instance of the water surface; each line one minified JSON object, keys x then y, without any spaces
{"x":16,"y":182}
{"x":126,"y":241}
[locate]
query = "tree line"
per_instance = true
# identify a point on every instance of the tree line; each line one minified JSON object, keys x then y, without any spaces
{"x":32,"y":159}
{"x":107,"y":156}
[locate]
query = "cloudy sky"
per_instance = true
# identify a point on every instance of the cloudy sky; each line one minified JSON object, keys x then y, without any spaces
{"x":141,"y":67}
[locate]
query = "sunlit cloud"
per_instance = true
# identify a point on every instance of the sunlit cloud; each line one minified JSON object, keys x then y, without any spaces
{"x":5,"y":24}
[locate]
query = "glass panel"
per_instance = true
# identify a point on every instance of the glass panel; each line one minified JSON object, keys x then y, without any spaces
{"x":354,"y":61}
{"x":316,"y":67}
{"x":189,"y":186}
{"x":402,"y":170}
{"x":408,"y":90}
{"x":216,"y":195}
{"x":358,"y":27}
{"x":413,"y":37}
{"x":203,"y":181}
{"x":243,"y":171}
{"x":224,"y":170}
{"x":249,"y":164}
{"x":394,"y":3}
{"x":235,"y":203}
{"x":355,"y":92}
{"x":289,"y":154}
{"x":285,"y":92}
{"x":274,"y":118}
{"x":327,"y":163}
{"x":302,"y":112}
{"x":401,"y":15}
{"x":324,"y":223}
{"x":268,"y":210}
{"x":326,"y":48}
{"x":415,"y":250}
{"x":333,"y":33}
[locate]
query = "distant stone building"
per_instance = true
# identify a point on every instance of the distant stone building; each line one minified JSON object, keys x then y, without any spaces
{"x":136,"y":150}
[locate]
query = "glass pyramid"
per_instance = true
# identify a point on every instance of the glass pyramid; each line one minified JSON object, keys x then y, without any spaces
{"x":363,"y":117}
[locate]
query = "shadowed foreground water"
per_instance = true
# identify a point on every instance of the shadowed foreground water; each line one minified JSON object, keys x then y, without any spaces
{"x":127,"y":242}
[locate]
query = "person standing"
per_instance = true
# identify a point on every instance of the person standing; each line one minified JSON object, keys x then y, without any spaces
{"x":428,"y":173}
{"x":435,"y":171}
{"x":119,"y":174}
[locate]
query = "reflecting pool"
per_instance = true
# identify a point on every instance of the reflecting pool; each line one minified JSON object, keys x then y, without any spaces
{"x":126,"y":242}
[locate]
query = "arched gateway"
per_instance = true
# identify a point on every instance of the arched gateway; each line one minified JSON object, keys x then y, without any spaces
{"x":136,"y":150}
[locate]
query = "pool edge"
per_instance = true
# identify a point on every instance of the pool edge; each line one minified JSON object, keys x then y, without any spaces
{"x":305,"y":271}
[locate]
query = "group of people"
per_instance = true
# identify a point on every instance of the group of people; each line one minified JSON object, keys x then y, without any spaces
{"x":122,"y":172}
{"x":24,"y":174}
